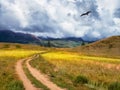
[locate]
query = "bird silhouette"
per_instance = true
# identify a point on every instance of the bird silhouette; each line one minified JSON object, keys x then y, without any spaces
{"x":85,"y":13}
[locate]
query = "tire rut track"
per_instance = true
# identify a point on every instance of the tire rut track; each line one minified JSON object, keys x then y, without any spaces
{"x":26,"y":82}
{"x":41,"y":77}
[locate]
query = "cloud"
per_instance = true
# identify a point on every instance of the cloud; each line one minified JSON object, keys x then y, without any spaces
{"x":117,"y":13}
{"x":61,"y":18}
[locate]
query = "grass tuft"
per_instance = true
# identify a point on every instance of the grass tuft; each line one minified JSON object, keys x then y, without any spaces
{"x":15,"y":85}
{"x":80,"y":79}
{"x":114,"y":86}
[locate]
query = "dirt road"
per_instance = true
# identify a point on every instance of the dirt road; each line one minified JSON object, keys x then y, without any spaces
{"x":26,"y":82}
{"x":41,"y":77}
{"x":35,"y":73}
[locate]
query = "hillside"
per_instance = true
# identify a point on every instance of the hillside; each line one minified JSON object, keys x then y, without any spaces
{"x":15,"y":37}
{"x":109,"y":47}
{"x":67,"y":42}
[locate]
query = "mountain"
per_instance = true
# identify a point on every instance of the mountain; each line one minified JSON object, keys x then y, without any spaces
{"x":16,"y":37}
{"x":63,"y":42}
{"x":67,"y":38}
{"x":109,"y":47}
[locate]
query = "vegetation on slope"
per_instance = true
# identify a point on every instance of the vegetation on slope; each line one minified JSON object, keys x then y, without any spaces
{"x":109,"y":47}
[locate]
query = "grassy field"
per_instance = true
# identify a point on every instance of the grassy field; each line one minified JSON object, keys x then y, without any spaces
{"x":79,"y":72}
{"x":9,"y":55}
{"x":71,"y":69}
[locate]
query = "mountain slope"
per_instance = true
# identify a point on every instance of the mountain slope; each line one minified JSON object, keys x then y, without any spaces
{"x":67,"y":42}
{"x":13,"y":37}
{"x":109,"y":47}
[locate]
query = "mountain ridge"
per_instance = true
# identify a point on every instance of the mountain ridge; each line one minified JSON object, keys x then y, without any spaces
{"x":17,"y":37}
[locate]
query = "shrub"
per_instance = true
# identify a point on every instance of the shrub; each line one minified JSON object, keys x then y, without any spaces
{"x":18,"y":46}
{"x":6,"y":46}
{"x":81,"y":80}
{"x":83,"y":43}
{"x":110,"y":46}
{"x":114,"y":86}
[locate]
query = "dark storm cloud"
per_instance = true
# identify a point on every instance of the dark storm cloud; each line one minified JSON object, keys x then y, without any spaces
{"x":117,"y":13}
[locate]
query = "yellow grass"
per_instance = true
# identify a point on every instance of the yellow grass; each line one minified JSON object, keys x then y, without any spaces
{"x":75,"y":56}
{"x":100,"y":71}
{"x":8,"y":58}
{"x":66,"y":66}
{"x":17,"y":53}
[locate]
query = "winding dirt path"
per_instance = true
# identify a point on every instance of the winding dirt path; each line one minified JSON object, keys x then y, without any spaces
{"x":41,"y":77}
{"x":26,"y":82}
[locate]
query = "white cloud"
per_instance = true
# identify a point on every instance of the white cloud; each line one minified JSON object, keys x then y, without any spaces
{"x":61,"y":18}
{"x":117,"y":21}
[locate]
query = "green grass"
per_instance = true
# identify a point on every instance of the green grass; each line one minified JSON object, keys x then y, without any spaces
{"x":114,"y":86}
{"x":32,"y":79}
{"x":81,"y":80}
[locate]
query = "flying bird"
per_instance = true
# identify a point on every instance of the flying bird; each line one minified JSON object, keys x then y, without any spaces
{"x":85,"y":13}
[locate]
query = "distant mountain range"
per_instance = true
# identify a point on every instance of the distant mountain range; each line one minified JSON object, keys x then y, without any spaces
{"x":17,"y":37}
{"x":67,"y":38}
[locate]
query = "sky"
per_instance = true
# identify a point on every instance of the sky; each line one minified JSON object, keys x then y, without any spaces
{"x":61,"y":18}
